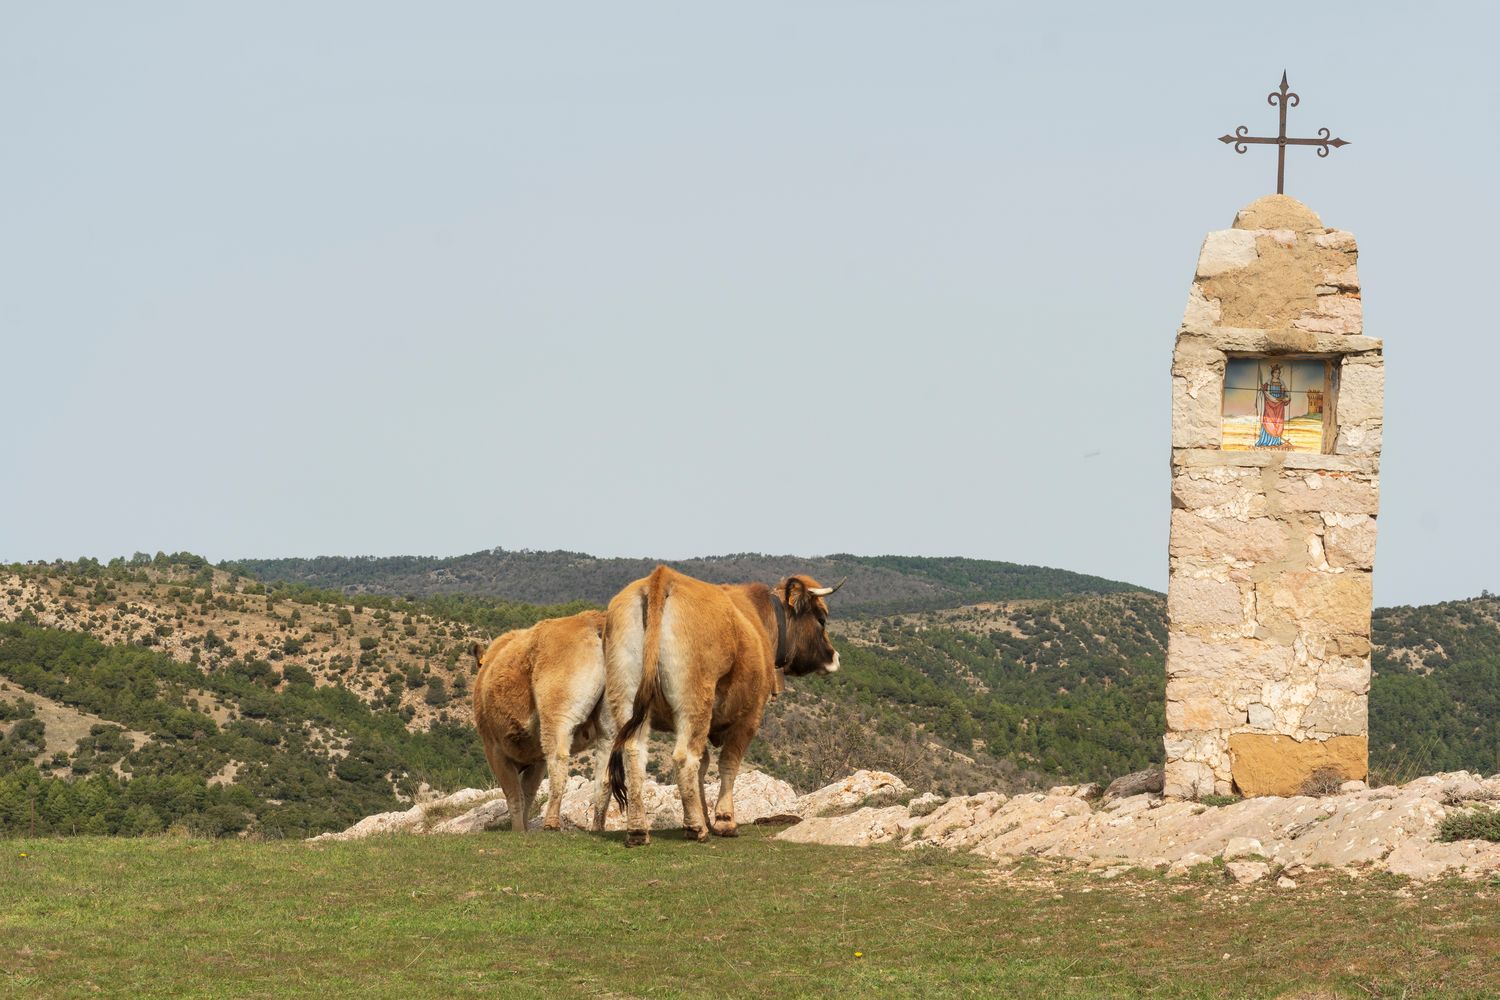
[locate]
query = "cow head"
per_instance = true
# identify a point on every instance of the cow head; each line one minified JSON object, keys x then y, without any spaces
{"x":808,"y":648}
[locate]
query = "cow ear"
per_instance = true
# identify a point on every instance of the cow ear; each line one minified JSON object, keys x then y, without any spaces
{"x":796,"y":595}
{"x":478,"y":653}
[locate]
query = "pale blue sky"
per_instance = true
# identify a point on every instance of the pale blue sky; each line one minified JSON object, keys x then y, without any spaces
{"x":677,"y":279}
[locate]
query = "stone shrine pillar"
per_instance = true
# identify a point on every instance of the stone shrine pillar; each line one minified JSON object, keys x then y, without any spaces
{"x":1277,"y":407}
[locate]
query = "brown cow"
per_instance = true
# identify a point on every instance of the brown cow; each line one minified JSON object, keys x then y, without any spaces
{"x":701,"y":659}
{"x":539,"y":699}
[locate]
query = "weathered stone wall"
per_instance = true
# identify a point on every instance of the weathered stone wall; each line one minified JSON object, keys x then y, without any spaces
{"x":1271,"y":552}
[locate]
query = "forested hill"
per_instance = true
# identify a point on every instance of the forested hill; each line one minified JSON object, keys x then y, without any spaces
{"x":877,"y":584}
{"x":161,"y":693}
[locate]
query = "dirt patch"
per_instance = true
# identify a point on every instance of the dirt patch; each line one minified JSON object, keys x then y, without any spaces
{"x":65,"y":725}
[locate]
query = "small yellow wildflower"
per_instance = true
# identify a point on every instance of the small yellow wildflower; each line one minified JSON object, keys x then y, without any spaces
{"x":859,"y":954}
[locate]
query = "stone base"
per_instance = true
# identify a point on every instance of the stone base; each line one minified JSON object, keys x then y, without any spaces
{"x":1265,"y":764}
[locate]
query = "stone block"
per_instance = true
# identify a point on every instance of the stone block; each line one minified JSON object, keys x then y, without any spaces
{"x":1256,"y":540}
{"x":1345,"y":279}
{"x":1349,"y":540}
{"x":1202,"y":313}
{"x":1203,"y":747}
{"x":1265,"y":764}
{"x":1320,"y":491}
{"x":1345,"y":673}
{"x":1197,"y":410}
{"x":1205,"y":458}
{"x":1339,"y":712}
{"x":1197,"y":357}
{"x":1340,"y":314}
{"x":1187,"y":780}
{"x":1361,"y":393}
{"x":1288,"y":698}
{"x":1284,"y":340}
{"x":1203,"y":603}
{"x":1195,"y":703}
{"x":1215,"y":488}
{"x":1230,"y":663}
{"x":1315,"y":602}
{"x":1226,"y":250}
{"x":1332,"y":645}
{"x":1336,"y":239}
{"x":1359,"y":439}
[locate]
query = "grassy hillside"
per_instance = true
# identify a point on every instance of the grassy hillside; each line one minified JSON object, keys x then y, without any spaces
{"x":138,"y":697}
{"x":877,"y":584}
{"x":576,"y":915}
{"x":141,"y":696}
{"x":1435,"y":699}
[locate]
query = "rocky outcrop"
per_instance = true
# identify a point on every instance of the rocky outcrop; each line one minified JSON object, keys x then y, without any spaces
{"x":869,"y":825}
{"x":1140,"y":782}
{"x":1392,"y":829}
{"x":756,"y":795}
{"x":862,"y":788}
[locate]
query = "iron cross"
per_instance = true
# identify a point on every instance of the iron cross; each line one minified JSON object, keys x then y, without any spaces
{"x":1283,"y":99}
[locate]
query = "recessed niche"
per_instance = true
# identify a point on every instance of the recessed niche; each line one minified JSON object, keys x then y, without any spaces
{"x":1280,"y":404}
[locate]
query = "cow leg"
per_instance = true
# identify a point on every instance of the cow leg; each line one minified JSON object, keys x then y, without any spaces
{"x":531,"y":779}
{"x":736,"y":741}
{"x":601,"y":781}
{"x":557,"y":784}
{"x":510,"y":783}
{"x":692,"y":741}
{"x":703,"y":784}
{"x":557,"y":745}
{"x":637,"y":824}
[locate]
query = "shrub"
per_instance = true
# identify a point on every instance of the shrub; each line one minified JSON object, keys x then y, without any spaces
{"x":294,"y":674}
{"x":1471,"y":824}
{"x":1323,"y":781}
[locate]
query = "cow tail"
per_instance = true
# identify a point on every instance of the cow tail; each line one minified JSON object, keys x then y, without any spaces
{"x":653,"y":604}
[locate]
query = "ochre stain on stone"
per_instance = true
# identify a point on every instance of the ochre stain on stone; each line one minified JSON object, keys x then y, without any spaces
{"x":1269,"y":764}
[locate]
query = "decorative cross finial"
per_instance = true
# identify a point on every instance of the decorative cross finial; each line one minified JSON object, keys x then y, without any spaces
{"x":1284,"y":99}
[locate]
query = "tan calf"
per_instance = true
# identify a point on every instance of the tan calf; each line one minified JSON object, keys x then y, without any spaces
{"x":538,"y":699}
{"x":702,"y":660}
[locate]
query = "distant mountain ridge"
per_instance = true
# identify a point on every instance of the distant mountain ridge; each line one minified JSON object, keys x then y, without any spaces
{"x":877,"y":584}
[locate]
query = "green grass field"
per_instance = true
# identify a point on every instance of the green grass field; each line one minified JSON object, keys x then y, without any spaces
{"x":574,"y":915}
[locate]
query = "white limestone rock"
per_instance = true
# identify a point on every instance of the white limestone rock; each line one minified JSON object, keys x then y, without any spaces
{"x":857,"y":829}
{"x":1243,"y":847}
{"x":860,"y":788}
{"x":1226,"y":250}
{"x":1245,"y":872}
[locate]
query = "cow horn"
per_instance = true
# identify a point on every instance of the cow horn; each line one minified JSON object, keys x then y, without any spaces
{"x":825,"y":591}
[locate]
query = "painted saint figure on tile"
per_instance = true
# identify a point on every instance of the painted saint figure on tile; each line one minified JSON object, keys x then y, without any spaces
{"x":1275,"y":405}
{"x":1274,"y":399}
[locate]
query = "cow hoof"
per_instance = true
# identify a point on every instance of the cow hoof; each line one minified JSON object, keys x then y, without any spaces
{"x":637,"y":838}
{"x":695,"y":833}
{"x":726,"y":830}
{"x":554,"y":827}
